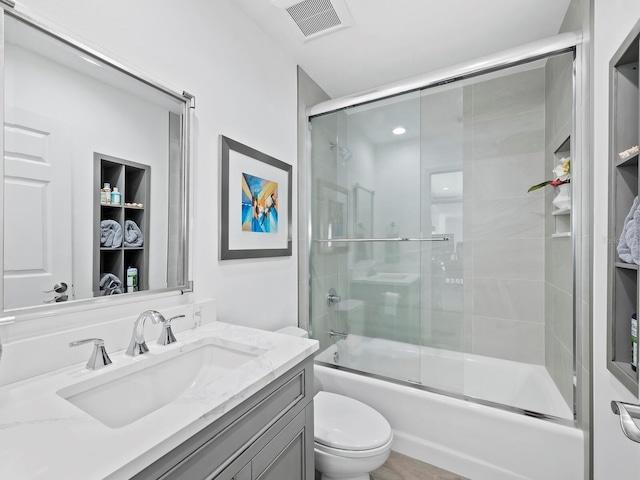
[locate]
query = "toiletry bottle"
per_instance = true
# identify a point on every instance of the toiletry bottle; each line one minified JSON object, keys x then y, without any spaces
{"x":634,"y":342}
{"x":115,"y":196}
{"x":132,"y":279}
{"x":105,"y":194}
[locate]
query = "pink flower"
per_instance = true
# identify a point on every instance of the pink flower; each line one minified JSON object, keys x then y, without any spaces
{"x":557,"y":182}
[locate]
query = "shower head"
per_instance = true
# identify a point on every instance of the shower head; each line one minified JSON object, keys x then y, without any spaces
{"x":345,"y":153}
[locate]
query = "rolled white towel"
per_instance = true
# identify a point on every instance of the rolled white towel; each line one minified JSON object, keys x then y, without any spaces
{"x":132,"y":235}
{"x":110,"y":234}
{"x":110,"y":284}
{"x":628,"y":247}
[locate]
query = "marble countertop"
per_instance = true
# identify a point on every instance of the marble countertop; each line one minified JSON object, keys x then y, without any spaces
{"x":43,"y":436}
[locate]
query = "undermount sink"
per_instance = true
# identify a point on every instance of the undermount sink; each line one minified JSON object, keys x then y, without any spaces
{"x":390,"y":276}
{"x":120,"y":397}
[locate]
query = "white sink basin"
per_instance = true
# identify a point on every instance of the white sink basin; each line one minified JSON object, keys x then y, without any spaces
{"x":126,"y":394}
{"x":391,"y":276}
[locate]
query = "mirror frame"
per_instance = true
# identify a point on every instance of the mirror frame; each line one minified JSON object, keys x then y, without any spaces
{"x":7,"y":8}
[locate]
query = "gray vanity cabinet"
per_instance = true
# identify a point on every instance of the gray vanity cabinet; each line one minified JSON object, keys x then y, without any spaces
{"x":269,"y":436}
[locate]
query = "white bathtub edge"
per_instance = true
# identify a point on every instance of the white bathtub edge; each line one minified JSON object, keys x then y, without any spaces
{"x":475,"y":441}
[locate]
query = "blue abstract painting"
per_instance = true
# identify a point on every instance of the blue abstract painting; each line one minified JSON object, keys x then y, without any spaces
{"x":259,"y":204}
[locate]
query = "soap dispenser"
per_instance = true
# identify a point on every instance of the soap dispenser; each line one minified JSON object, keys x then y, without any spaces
{"x":115,"y":196}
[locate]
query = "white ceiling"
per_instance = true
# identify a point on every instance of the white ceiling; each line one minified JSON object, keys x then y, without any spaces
{"x":395,"y":39}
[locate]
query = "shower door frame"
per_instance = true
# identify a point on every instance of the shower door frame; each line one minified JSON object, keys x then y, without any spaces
{"x":570,"y":42}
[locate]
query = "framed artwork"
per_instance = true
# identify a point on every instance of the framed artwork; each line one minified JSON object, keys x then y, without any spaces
{"x":255,"y":203}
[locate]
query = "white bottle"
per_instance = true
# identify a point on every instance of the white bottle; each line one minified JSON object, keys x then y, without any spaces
{"x":115,"y":196}
{"x":132,"y":279}
{"x":105,"y":194}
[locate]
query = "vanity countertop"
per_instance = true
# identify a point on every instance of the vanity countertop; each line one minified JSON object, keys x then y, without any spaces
{"x":43,"y":436}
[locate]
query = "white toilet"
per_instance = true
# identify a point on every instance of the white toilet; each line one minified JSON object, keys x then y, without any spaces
{"x":351,"y":438}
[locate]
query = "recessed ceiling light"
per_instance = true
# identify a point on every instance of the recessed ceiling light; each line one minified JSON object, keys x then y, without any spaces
{"x":445,"y":188}
{"x":399,"y":131}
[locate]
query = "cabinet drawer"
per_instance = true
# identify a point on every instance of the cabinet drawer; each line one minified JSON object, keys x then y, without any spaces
{"x":213,"y":452}
{"x":284,"y":456}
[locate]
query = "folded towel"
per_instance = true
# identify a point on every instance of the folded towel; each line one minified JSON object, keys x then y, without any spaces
{"x":629,"y":243}
{"x":132,"y":234}
{"x":110,"y":284}
{"x":110,"y":234}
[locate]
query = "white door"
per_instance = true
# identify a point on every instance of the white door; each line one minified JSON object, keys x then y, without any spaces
{"x":37,"y":210}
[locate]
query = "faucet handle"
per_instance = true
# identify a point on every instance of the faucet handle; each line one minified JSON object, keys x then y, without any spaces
{"x":166,"y":336}
{"x":99,"y":357}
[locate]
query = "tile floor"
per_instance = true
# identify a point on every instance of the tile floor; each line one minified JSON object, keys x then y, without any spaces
{"x":401,"y":467}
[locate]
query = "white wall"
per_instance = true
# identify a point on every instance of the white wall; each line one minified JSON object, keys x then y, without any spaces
{"x":614,"y":455}
{"x":245,"y":88}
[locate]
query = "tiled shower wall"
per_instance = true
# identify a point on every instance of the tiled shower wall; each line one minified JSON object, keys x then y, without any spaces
{"x":503,"y":224}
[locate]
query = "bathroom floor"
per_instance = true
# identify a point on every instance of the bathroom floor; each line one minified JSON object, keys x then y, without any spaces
{"x":401,"y":467}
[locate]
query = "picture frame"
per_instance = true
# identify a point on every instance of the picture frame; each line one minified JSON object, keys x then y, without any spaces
{"x":255,"y":203}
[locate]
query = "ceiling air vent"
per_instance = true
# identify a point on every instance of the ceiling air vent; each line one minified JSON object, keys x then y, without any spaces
{"x":316,"y":17}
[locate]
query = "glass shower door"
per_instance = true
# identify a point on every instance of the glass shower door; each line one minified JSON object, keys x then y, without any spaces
{"x":367,"y":231}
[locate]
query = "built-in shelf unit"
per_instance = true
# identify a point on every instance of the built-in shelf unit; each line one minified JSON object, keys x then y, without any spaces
{"x":623,"y":189}
{"x":133,"y":182}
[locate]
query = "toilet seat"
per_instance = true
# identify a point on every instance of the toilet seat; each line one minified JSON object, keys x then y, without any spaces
{"x":338,"y":452}
{"x":347,"y":427}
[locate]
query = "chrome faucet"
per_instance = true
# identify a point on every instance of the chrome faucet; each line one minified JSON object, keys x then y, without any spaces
{"x":137,"y":345}
{"x":340,"y":335}
{"x":166,"y":336}
{"x":99,"y":357}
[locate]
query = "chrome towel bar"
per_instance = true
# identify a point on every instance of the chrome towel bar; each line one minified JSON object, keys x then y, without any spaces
{"x":397,"y":239}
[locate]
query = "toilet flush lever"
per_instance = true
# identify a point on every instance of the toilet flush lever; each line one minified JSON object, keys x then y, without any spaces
{"x":332,"y":297}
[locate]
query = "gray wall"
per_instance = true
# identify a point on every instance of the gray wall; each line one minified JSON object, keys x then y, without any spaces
{"x":504,"y":225}
{"x":309,"y":94}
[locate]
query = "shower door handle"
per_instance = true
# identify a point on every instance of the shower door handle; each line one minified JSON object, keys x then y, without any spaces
{"x":627,"y":412}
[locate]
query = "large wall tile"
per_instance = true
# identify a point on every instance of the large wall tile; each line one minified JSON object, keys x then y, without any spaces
{"x":508,"y":218}
{"x":509,"y":299}
{"x":520,"y":259}
{"x":512,"y":135}
{"x":511,"y":340}
{"x":509,"y":95}
{"x":506,"y":177}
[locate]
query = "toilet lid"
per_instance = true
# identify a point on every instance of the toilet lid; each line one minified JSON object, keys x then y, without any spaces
{"x":348,"y":424}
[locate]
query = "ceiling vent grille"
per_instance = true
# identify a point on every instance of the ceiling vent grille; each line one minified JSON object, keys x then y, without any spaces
{"x":314,"y":16}
{"x":317,"y":17}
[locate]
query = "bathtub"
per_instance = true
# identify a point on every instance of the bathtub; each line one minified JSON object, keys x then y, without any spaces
{"x":472,"y":439}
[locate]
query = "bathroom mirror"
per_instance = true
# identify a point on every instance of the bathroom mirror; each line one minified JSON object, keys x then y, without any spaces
{"x":73,"y":121}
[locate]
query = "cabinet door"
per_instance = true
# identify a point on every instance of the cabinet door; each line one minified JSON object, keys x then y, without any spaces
{"x":285,"y":456}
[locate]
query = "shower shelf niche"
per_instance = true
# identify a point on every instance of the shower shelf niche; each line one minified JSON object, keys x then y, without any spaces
{"x":623,"y":188}
{"x":562,"y":216}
